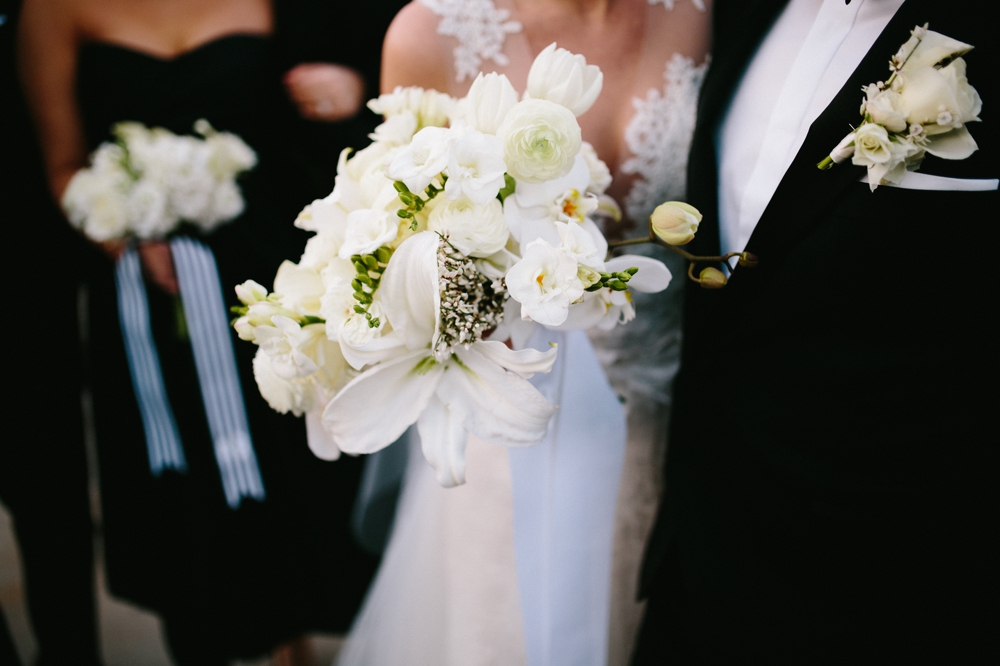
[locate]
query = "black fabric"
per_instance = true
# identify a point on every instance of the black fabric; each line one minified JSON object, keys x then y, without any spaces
{"x":228,"y":583}
{"x":829,"y":483}
{"x":43,"y":468}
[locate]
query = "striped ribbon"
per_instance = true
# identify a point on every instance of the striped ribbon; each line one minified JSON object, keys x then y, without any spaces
{"x":215,"y":363}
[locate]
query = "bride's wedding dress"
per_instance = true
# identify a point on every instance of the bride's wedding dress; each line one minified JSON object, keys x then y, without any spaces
{"x":535,"y":559}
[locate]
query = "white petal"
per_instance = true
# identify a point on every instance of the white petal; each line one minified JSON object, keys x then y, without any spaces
{"x":653,"y":275}
{"x":957,"y":144}
{"x":498,"y":406}
{"x":320,"y":442}
{"x":524,"y":362}
{"x":545,"y":193}
{"x":377,"y":406}
{"x":378,"y":350}
{"x":409,"y":290}
{"x":442,"y":439}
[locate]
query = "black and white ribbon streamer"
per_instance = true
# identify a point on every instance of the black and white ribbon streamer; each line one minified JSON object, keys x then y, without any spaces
{"x":163,"y":440}
{"x":215,"y":362}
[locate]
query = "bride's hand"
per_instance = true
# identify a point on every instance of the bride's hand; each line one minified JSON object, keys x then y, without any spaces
{"x":325,"y":91}
{"x":159,"y":265}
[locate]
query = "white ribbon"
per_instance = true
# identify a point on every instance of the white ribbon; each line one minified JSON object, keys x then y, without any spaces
{"x":215,"y":363}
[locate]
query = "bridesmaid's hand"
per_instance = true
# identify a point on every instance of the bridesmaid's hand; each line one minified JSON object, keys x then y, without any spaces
{"x":325,"y":91}
{"x":159,"y":265}
{"x":113,"y":248}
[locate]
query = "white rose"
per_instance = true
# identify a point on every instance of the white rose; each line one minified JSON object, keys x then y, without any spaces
{"x":541,"y":140}
{"x":564,"y":78}
{"x":419,"y":163}
{"x":886,"y":108}
{"x":96,"y":204}
{"x":476,"y":230}
{"x":871,"y":145}
{"x":148,"y":210}
{"x":490,"y":98}
{"x":367,"y":230}
{"x":545,"y":283}
{"x":600,"y":174}
{"x":475,"y":167}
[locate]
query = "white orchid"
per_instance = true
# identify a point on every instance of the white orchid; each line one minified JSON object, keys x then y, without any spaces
{"x":480,"y":388}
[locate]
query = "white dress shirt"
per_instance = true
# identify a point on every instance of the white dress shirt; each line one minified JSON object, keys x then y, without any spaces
{"x":806,"y":58}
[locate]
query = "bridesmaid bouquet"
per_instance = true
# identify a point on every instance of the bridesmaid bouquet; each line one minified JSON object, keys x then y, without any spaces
{"x":465,"y":223}
{"x":148,"y":181}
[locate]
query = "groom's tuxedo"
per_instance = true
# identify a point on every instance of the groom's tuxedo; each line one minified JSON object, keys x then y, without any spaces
{"x":830,"y":480}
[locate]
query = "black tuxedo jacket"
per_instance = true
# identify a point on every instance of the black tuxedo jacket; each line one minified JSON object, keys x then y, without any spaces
{"x":832,"y":460}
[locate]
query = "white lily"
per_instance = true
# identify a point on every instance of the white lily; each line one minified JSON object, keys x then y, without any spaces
{"x":481,"y":388}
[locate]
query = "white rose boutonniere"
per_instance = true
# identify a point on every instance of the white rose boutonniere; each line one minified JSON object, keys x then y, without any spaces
{"x":921,"y":109}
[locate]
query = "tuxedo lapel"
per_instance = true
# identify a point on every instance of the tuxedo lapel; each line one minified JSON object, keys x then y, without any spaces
{"x":805,"y":191}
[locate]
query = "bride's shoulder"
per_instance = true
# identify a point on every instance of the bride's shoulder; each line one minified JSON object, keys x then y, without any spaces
{"x":413,"y":53}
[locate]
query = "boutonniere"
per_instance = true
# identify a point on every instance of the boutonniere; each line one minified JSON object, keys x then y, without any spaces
{"x":921,"y":109}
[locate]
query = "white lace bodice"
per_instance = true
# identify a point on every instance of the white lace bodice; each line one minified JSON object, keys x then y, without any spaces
{"x":480,"y":29}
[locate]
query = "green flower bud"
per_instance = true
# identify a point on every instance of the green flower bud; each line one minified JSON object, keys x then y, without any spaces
{"x":712,"y":278}
{"x":748,"y":260}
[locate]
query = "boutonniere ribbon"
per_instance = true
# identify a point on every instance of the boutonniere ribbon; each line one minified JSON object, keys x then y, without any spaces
{"x":921,"y":109}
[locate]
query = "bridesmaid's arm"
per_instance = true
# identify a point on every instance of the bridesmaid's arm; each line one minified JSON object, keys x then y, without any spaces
{"x":411,"y":55}
{"x":47,"y":52}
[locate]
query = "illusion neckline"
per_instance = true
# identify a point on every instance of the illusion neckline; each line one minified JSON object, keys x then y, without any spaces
{"x":199,"y":48}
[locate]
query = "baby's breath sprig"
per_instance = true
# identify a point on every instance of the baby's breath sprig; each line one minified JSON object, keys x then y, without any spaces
{"x":471,"y":303}
{"x":370,"y":268}
{"x":414,"y":202}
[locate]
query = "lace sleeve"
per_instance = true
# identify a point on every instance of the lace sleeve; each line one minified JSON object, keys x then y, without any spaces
{"x":480,"y":29}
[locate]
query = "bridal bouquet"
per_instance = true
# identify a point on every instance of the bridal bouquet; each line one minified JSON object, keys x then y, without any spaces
{"x":464,"y":224}
{"x":148,"y":181}
{"x":921,"y":109}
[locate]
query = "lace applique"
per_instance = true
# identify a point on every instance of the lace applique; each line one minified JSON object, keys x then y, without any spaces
{"x":480,"y":29}
{"x":669,"y":4}
{"x":659,"y":137}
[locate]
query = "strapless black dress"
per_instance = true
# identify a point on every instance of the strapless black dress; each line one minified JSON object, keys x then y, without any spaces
{"x":228,"y":583}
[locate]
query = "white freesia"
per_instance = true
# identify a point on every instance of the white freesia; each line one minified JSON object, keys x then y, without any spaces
{"x":490,"y":98}
{"x":419,"y":163}
{"x":541,"y":140}
{"x":583,"y":246}
{"x":288,"y":345}
{"x":476,"y":230}
{"x":600,"y":174}
{"x":299,"y":289}
{"x":396,"y":130}
{"x":481,"y":389}
{"x":545,"y":283}
{"x":475,"y":167}
{"x":429,"y":108}
{"x":565,"y":78}
{"x":367,"y":230}
{"x":250,"y":292}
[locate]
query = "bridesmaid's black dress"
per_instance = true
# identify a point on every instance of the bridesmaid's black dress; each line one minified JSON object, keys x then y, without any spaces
{"x":228,"y":583}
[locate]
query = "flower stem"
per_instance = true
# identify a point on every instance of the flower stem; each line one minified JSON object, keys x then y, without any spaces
{"x":693,"y":259}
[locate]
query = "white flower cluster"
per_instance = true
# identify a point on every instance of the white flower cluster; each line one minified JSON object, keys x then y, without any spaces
{"x":922,"y":109}
{"x":464,"y":219}
{"x":150,"y":180}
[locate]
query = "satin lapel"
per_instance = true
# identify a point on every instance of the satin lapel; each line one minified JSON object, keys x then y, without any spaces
{"x":805,"y":192}
{"x":738,"y":27}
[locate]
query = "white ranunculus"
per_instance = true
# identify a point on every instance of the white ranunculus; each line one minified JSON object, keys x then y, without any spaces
{"x":545,"y":283}
{"x":419,"y":163}
{"x":564,"y":78}
{"x":475,"y":167}
{"x":541,"y":140}
{"x":886,"y":108}
{"x":367,"y":230}
{"x":490,"y":98}
{"x":476,"y":230}
{"x":600,"y":174}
